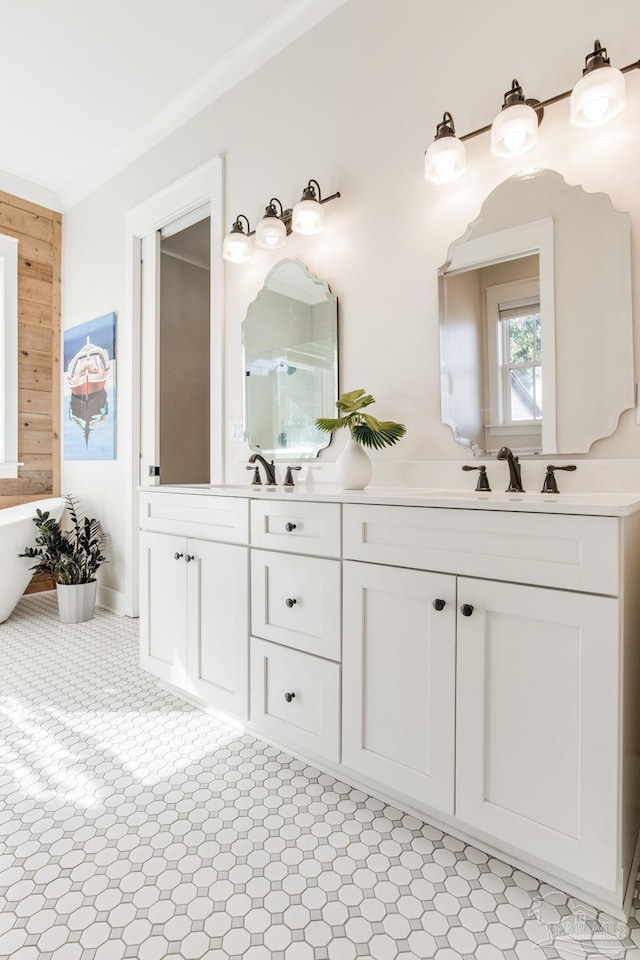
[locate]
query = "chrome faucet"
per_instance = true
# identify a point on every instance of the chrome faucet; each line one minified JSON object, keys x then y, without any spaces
{"x":515,"y":475}
{"x":269,"y":469}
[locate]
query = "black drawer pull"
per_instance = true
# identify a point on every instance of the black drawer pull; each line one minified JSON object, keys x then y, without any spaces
{"x":289,"y":697}
{"x":439,"y":604}
{"x":289,"y":527}
{"x":178,"y":556}
{"x":466,"y":609}
{"x":189,"y":557}
{"x":290,"y":601}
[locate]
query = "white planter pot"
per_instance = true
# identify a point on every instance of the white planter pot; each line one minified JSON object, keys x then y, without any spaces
{"x":76,"y":602}
{"x":353,"y":467}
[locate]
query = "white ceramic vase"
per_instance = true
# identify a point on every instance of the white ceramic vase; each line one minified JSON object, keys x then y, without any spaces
{"x":76,"y":601}
{"x":353,"y":467}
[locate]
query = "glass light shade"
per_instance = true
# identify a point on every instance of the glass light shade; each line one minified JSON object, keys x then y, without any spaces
{"x":237,"y":247}
{"x":445,"y":160}
{"x":308,"y":218}
{"x":598,"y":97}
{"x":271,"y":233}
{"x":514,"y":131}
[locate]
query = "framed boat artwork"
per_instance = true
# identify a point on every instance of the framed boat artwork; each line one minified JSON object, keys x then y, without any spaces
{"x":89,"y":412}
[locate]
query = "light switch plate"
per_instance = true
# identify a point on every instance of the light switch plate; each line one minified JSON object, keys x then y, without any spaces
{"x":235,"y":431}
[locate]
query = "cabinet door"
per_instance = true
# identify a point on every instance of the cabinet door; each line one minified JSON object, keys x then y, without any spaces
{"x":537,"y":723}
{"x":218,"y":626}
{"x":398,"y":704}
{"x":163,"y":606}
{"x":296,"y":601}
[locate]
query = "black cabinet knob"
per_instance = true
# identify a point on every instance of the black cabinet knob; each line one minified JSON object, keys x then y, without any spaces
{"x":289,"y":697}
{"x":189,"y":557}
{"x":289,"y":527}
{"x":439,"y":604}
{"x":290,"y":601}
{"x":178,"y":556}
{"x":466,"y":609}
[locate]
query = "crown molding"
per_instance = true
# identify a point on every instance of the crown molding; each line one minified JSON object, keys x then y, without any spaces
{"x":260,"y":45}
{"x":26,"y":190}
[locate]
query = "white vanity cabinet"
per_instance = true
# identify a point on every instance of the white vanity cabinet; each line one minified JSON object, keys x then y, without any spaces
{"x":532,"y":650}
{"x":193,"y":628}
{"x":478,"y":666}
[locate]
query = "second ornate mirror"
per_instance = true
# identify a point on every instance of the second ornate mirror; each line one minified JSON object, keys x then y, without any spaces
{"x":290,"y":347}
{"x":535,"y":320}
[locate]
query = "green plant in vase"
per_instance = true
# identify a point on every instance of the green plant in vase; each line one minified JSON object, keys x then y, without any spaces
{"x":72,"y":557}
{"x":353,"y":465}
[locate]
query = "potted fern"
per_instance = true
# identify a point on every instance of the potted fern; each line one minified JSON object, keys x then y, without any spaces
{"x":72,"y":557}
{"x":353,"y":466}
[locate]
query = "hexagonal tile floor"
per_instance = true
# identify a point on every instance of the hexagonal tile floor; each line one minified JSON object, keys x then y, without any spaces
{"x":132,"y":825}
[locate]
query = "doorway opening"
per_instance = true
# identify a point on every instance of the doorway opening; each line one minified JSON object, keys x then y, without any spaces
{"x":184,"y":346}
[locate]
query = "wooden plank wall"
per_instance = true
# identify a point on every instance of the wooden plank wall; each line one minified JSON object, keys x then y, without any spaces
{"x":38,"y":231}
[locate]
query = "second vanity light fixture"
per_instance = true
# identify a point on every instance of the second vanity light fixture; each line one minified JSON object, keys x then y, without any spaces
{"x":597,"y":98}
{"x":306,"y":218}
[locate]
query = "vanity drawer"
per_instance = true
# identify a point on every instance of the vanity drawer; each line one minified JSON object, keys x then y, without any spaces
{"x":296,"y":601}
{"x":295,"y":699}
{"x":296,"y":527}
{"x":568,"y":552}
{"x":223,"y":519}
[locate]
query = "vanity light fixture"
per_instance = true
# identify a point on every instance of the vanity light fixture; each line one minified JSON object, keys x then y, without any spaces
{"x":237,"y":246}
{"x":598,"y":97}
{"x":514,"y":131}
{"x":306,"y":218}
{"x":446,"y":158}
{"x":271,"y":231}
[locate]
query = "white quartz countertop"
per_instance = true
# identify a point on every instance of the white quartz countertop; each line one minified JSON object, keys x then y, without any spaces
{"x":588,"y":504}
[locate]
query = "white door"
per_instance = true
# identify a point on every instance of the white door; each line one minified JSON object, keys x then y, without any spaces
{"x":537,"y":723}
{"x":219,"y":625}
{"x":398,"y":701}
{"x":163,"y":606}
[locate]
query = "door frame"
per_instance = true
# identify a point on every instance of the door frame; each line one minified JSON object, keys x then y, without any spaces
{"x":202,"y":186}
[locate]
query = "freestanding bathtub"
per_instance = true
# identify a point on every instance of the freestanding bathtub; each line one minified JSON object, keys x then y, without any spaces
{"x":17,"y":531}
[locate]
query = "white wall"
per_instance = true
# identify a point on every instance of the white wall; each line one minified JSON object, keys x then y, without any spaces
{"x":354,"y":103}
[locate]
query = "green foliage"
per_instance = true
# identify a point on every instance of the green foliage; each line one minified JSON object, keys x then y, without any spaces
{"x":364,"y":428}
{"x":525,"y":342}
{"x":69,"y":556}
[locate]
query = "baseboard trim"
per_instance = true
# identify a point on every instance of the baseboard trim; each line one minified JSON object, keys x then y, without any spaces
{"x":112,"y":600}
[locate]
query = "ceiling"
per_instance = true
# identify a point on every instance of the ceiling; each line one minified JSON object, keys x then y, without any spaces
{"x":88,"y":86}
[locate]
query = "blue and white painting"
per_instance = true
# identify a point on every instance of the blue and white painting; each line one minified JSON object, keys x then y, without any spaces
{"x":90,"y":390}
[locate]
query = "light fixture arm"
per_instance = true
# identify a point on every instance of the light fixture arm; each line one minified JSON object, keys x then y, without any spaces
{"x":238,"y":228}
{"x":312,"y":191}
{"x":543,"y":104}
{"x":446,"y":127}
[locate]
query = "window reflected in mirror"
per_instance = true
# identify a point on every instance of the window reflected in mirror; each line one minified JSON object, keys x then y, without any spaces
{"x":494,"y":337}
